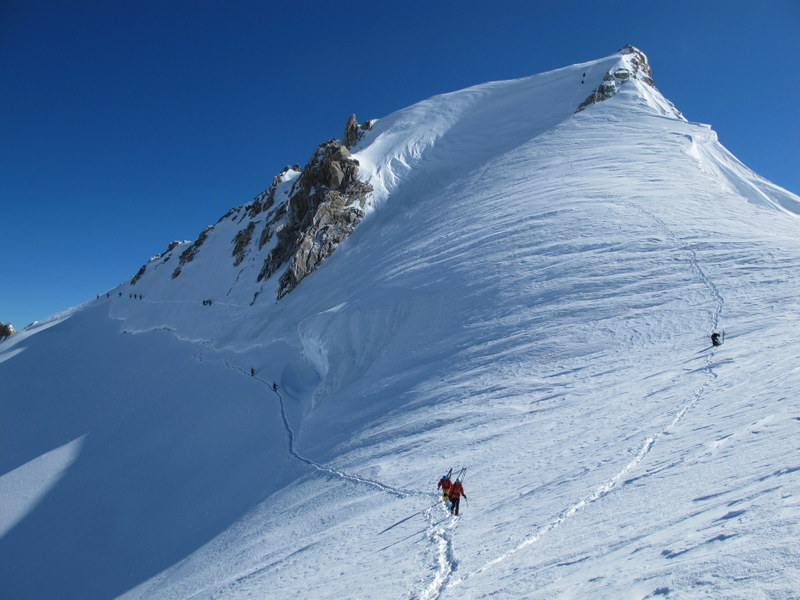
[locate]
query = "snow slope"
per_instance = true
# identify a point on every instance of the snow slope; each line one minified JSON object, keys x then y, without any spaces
{"x":530,"y":295}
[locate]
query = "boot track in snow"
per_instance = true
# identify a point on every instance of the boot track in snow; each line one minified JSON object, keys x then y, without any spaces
{"x":607,"y":487}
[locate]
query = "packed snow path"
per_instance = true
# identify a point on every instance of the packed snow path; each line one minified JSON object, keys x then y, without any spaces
{"x":341,"y":475}
{"x":439,"y":531}
{"x":290,"y":435}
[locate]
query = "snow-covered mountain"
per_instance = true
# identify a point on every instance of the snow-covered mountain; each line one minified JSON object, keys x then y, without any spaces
{"x":520,"y":278}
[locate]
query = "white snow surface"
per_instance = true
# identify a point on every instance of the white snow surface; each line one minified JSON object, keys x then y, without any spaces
{"x":530,"y":296}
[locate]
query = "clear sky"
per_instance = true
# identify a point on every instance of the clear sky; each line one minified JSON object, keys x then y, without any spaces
{"x":127,"y":124}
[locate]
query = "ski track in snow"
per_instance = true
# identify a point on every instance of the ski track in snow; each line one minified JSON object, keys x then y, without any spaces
{"x":290,"y":434}
{"x":440,"y":532}
{"x":611,"y":484}
{"x":693,"y":261}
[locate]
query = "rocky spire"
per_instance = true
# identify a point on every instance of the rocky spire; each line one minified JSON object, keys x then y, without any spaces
{"x":636,"y":67}
{"x":354,"y":131}
{"x":326,"y":204}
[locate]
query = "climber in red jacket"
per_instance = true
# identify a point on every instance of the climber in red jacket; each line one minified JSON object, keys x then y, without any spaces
{"x":444,"y":484}
{"x":455,"y":493}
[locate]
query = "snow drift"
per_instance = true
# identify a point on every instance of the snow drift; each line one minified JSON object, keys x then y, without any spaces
{"x":528,"y":291}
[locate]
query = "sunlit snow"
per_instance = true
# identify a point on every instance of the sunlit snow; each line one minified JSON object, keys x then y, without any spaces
{"x":531,"y":296}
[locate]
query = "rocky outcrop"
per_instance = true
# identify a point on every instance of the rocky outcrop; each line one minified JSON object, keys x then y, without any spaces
{"x":241,"y":241}
{"x":298,"y":221}
{"x":354,"y":131}
{"x":640,"y":69}
{"x":143,"y":270}
{"x":638,"y":60}
{"x":190,"y":252}
{"x":266,"y":199}
{"x":333,"y":221}
{"x":6,"y":330}
{"x":170,"y":248}
{"x":269,"y":228}
{"x":325,"y":205}
{"x":139,"y":274}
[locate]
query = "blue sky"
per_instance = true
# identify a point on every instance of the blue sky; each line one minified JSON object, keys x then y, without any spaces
{"x":125,"y":125}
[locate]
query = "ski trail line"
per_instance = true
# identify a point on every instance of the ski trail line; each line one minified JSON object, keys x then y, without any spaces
{"x":290,"y":434}
{"x":441,"y":534}
{"x":339,"y":474}
{"x":445,"y":555}
{"x":601,"y":491}
{"x":650,"y":441}
{"x":208,"y":346}
{"x":694,"y":262}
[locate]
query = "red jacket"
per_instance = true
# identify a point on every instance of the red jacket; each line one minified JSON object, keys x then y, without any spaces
{"x":444,"y":483}
{"x":457,"y":490}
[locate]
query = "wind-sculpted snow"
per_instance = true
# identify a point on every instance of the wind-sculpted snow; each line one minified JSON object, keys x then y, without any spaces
{"x":531,"y":295}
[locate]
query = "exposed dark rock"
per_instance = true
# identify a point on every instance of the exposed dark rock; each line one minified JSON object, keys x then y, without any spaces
{"x":333,"y":221}
{"x":190,"y":252}
{"x":354,"y":131}
{"x":614,"y":79}
{"x":269,"y":227}
{"x":229,"y":214}
{"x":141,"y":271}
{"x":326,"y":203}
{"x":240,"y":242}
{"x":6,"y":330}
{"x":641,"y":67}
{"x":266,"y":199}
{"x":170,"y":248}
{"x":305,"y":219}
{"x":138,"y":275}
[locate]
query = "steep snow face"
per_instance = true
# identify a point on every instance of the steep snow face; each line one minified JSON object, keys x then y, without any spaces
{"x":531,"y":297}
{"x":427,"y":144}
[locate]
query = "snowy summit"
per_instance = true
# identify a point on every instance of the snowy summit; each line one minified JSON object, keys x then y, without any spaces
{"x":518,"y":281}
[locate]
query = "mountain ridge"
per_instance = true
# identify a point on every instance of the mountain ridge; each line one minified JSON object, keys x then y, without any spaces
{"x":530,"y":293}
{"x":315,"y":225}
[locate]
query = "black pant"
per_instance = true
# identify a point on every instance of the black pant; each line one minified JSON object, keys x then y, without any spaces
{"x":454,"y":502}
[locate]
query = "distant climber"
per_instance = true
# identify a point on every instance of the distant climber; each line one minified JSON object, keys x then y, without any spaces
{"x":455,"y":493}
{"x":274,"y":387}
{"x":252,"y":372}
{"x":717,"y":338}
{"x":444,"y":484}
